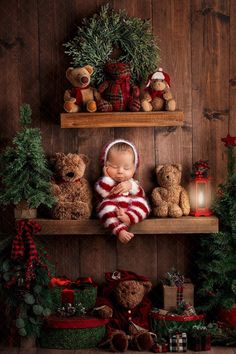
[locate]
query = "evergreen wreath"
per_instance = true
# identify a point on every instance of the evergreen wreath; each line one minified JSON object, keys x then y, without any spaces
{"x":102,"y":33}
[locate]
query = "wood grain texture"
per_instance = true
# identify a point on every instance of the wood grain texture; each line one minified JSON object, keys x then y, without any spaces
{"x":232,"y":73}
{"x":183,"y":225}
{"x":210,"y":38}
{"x":197,"y":43}
{"x":121,"y":119}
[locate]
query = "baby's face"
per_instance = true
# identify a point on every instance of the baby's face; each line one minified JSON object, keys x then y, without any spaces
{"x":120,"y":165}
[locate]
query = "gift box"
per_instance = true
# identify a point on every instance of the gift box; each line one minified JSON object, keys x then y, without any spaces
{"x":72,"y":333}
{"x":81,"y":292}
{"x":164,"y":324}
{"x":178,"y":342}
{"x":174,"y":295}
{"x":200,"y":343}
{"x":160,"y":348}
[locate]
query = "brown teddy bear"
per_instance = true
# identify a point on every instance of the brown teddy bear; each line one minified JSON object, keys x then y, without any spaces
{"x":124,"y":300}
{"x":81,"y":97}
{"x":72,"y":190}
{"x":157,"y":95}
{"x":170,"y":199}
{"x":117,"y":92}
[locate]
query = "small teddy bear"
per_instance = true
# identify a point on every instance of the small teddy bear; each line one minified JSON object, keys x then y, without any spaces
{"x":170,"y":199}
{"x":124,"y":300}
{"x":72,"y":190}
{"x":117,"y":92}
{"x":81,"y":97}
{"x":157,"y":95}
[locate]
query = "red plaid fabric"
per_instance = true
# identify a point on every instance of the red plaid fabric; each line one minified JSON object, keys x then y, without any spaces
{"x":118,"y":87}
{"x":180,"y":295}
{"x":23,"y":245}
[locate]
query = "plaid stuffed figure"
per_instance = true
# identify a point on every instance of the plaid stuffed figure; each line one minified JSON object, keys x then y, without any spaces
{"x":178,"y":342}
{"x":117,"y":92}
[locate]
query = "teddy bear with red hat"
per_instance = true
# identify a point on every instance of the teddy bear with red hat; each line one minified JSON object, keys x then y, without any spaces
{"x":124,"y":300}
{"x":157,"y":95}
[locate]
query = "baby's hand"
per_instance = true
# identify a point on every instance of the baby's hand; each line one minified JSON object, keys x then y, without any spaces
{"x":122,"y":187}
{"x":125,"y":236}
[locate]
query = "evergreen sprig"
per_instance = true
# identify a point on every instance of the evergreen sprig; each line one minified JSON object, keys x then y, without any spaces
{"x":24,"y":171}
{"x":216,"y":260}
{"x":97,"y":37}
{"x":24,"y":307}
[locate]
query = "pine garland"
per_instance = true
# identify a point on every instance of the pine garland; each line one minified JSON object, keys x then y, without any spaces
{"x":24,"y":171}
{"x":99,"y":35}
{"x":217,"y":261}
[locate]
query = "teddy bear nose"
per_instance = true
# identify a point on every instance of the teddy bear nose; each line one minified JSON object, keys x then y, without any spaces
{"x":70,"y":174}
{"x":167,"y":176}
{"x":84,"y":79}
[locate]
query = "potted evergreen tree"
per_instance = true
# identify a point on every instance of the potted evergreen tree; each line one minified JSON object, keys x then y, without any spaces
{"x":217,"y":260}
{"x":25,"y":177}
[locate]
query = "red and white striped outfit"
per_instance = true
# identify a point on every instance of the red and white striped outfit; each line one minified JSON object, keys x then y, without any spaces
{"x":133,"y":202}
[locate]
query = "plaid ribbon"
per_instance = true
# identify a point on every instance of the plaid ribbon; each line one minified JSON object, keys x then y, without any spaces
{"x":179,"y":295}
{"x":23,"y":246}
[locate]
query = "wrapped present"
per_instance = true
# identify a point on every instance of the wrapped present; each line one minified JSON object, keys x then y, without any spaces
{"x":72,"y":333}
{"x":160,"y":348}
{"x":175,"y":290}
{"x":178,"y":342}
{"x":202,"y":343}
{"x":199,"y":339}
{"x":82,"y":292}
{"x":163,"y":324}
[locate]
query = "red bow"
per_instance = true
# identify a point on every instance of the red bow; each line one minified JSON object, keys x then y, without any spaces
{"x":64,"y":282}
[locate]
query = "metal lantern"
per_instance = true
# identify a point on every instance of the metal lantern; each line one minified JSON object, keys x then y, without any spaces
{"x":200,"y":196}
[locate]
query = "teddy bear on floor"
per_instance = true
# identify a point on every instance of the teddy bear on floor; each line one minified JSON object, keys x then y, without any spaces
{"x":81,"y":97}
{"x":72,"y":190}
{"x":124,"y":300}
{"x":117,"y":93}
{"x":170,"y":199}
{"x":157,"y":95}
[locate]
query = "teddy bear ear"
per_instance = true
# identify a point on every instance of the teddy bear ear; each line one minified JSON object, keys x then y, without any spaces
{"x":68,"y":72}
{"x":158,"y":168}
{"x":147,"y":286}
{"x":84,"y":158}
{"x":89,"y":68}
{"x":178,"y":166}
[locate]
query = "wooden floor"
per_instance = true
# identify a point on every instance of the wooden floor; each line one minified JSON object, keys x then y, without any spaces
{"x":215,"y":350}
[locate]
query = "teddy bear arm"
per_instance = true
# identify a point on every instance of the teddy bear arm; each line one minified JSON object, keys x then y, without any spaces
{"x":103,"y":86}
{"x":84,"y":192}
{"x":104,"y":312}
{"x":167,"y":95}
{"x":67,"y":95}
{"x":157,"y":196}
{"x":135,"y":91}
{"x":147,"y":97}
{"x":184,"y":202}
{"x":56,"y":190}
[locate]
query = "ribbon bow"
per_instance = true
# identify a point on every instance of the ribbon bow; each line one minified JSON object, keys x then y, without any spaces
{"x":67,"y":283}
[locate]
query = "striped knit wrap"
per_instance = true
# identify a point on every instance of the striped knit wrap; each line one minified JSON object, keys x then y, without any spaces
{"x":133,"y":203}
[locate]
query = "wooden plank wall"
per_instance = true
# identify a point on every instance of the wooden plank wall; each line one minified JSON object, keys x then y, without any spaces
{"x":198,"y":43}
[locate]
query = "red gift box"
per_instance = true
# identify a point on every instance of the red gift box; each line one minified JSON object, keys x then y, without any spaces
{"x":160,"y":348}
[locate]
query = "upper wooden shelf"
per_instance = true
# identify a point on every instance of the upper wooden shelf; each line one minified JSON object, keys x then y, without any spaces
{"x":121,"y":119}
{"x":183,"y":225}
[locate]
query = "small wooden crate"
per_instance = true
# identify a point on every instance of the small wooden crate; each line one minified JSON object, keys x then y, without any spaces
{"x":170,"y":296}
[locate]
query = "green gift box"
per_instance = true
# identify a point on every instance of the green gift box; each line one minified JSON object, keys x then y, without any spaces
{"x":164,"y":324}
{"x":72,"y":333}
{"x":83,"y":291}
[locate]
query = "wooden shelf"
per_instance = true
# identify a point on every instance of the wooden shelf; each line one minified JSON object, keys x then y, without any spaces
{"x":183,"y":225}
{"x":121,"y":119}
